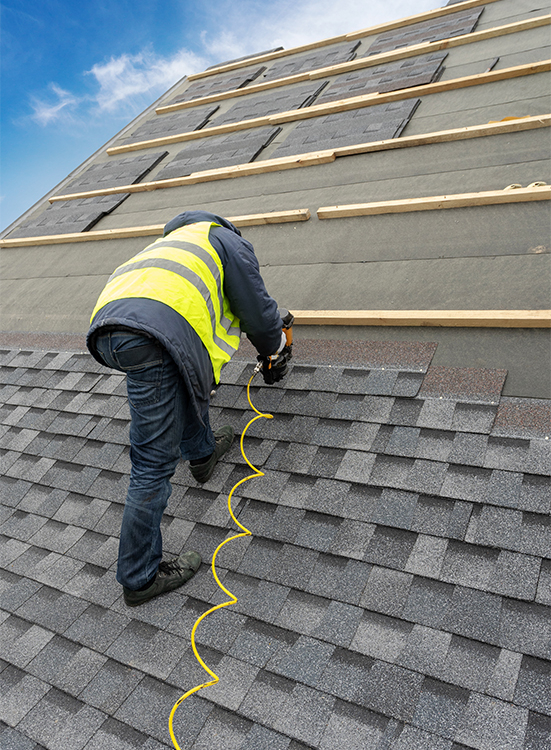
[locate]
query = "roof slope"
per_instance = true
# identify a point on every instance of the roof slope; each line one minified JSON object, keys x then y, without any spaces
{"x":395,"y":592}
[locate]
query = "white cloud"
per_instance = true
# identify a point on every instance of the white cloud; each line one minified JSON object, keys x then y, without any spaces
{"x":127,"y":79}
{"x":48,"y":112}
{"x":290,"y":23}
{"x":122,"y":86}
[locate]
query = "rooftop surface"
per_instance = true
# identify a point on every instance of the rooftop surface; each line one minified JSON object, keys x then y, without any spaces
{"x":395,"y":593}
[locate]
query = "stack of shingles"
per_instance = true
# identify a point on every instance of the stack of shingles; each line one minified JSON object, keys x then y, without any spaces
{"x":395,"y":592}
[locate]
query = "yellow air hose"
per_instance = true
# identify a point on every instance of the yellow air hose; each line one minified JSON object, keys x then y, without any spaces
{"x":233,"y":599}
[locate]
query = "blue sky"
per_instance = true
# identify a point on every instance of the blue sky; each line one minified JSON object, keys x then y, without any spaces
{"x":75,"y":73}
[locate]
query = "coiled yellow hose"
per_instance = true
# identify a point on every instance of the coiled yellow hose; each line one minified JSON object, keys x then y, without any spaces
{"x":233,"y":599}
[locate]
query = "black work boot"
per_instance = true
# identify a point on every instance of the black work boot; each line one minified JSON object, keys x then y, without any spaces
{"x":170,"y":575}
{"x":202,"y":472}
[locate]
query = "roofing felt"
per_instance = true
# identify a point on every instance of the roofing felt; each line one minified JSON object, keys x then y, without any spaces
{"x":395,"y":592}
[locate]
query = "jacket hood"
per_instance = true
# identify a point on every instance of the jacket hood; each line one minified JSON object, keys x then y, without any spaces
{"x":193,"y":217}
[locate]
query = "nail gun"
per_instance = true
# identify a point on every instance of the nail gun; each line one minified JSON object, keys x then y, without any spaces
{"x":274,"y":367}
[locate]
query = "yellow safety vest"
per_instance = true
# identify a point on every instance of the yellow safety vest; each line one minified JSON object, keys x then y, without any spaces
{"x":183,"y":271}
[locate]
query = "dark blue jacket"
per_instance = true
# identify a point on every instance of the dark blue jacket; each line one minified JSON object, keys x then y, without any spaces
{"x":244,"y":289}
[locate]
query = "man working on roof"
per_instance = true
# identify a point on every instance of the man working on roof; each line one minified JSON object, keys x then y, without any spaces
{"x":169,"y":318}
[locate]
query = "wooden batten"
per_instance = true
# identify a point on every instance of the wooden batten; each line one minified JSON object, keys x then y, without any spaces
{"x":436,"y":318}
{"x":437,"y":202}
{"x":248,"y":220}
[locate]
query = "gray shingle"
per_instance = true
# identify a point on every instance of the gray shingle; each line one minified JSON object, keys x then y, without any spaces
{"x":474,"y":614}
{"x":259,"y":642}
{"x":146,"y":710}
{"x":236,"y":678}
{"x":338,"y":624}
{"x":14,"y":590}
{"x":427,"y":556}
{"x":355,"y":466}
{"x":57,"y":536}
{"x":20,"y":694}
{"x":66,"y":665}
{"x":302,"y":612}
{"x":425,"y":650}
{"x":469,"y":565}
{"x":304,"y":662}
{"x":218,"y":151}
{"x":472,"y":664}
{"x":393,"y":691}
{"x":346,"y":674}
{"x":538,"y":732}
{"x":317,"y":531}
{"x":21,"y":640}
{"x":268,"y":697}
{"x":489,"y":723}
{"x":306,"y":716}
{"x":219,"y":82}
{"x":147,"y":648}
{"x":256,"y":598}
{"x":535,"y":493}
{"x":466,"y":483}
{"x":293,"y":564}
{"x":344,"y":129}
{"x":390,"y":547}
{"x":526,"y":628}
{"x":313,"y":59}
{"x":62,"y":721}
{"x":381,"y":637}
{"x":229,"y":729}
{"x":428,"y":602}
{"x":261,"y":738}
{"x":353,"y":728}
{"x":533,"y":688}
{"x":353,"y":539}
{"x":52,"y":609}
{"x":543,"y":595}
{"x":338,"y":578}
{"x":441,"y":708}
{"x":515,"y":575}
{"x":386,"y":591}
{"x":13,"y":740}
{"x":97,"y":627}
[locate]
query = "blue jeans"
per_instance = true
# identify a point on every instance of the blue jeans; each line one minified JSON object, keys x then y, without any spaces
{"x":164,"y":428}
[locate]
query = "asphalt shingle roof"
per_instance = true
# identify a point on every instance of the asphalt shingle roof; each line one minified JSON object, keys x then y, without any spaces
{"x":395,"y":592}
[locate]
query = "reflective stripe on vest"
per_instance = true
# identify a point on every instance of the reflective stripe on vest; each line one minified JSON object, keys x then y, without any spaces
{"x":184,"y":272}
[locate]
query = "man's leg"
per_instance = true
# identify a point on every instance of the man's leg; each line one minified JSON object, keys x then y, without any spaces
{"x":158,"y":404}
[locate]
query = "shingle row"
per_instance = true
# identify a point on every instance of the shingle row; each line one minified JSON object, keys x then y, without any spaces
{"x":385,"y":652}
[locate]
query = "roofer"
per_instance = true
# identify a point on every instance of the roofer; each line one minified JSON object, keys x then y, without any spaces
{"x":169,"y":318}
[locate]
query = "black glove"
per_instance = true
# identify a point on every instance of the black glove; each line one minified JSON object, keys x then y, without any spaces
{"x":274,"y":368}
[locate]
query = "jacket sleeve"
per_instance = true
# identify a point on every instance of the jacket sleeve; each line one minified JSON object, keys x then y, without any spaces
{"x":246,"y":292}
